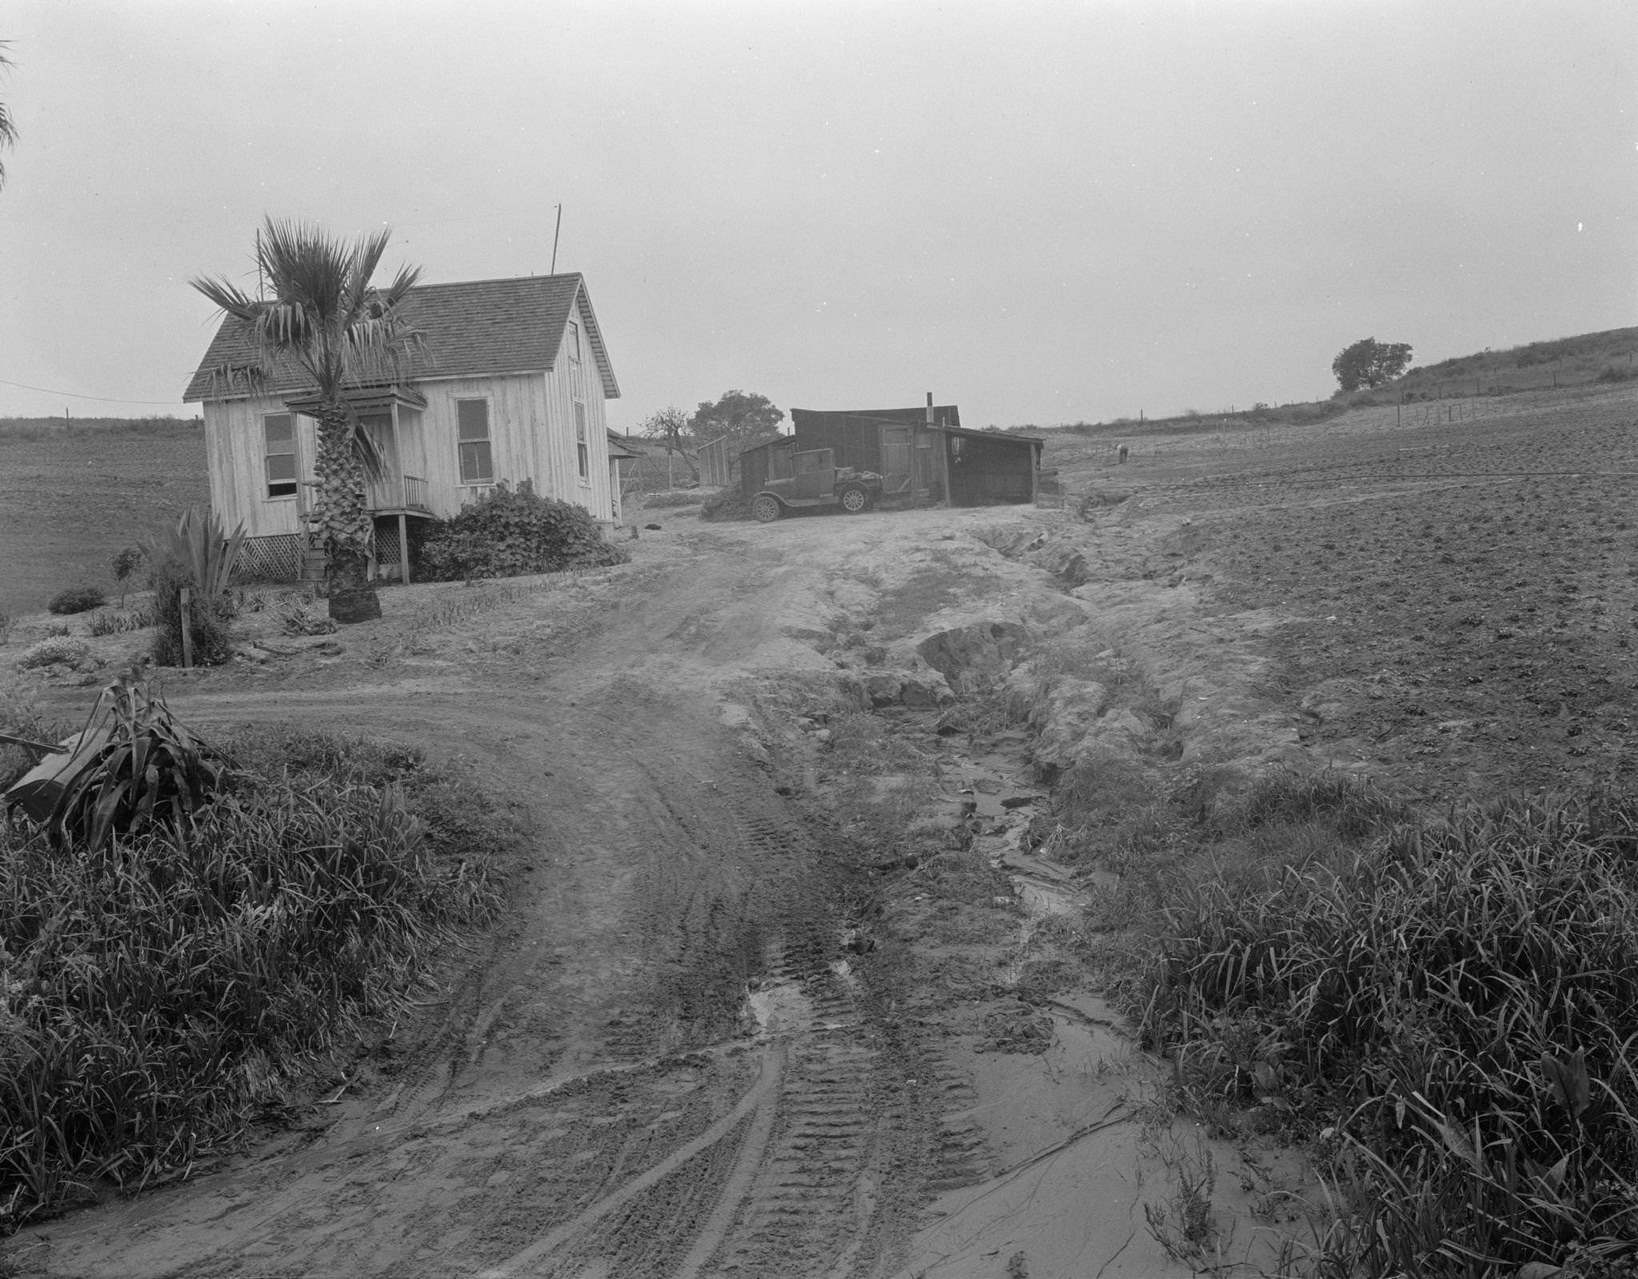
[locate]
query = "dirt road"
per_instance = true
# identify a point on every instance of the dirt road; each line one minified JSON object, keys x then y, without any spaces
{"x":658,"y":1064}
{"x":722,"y":1029}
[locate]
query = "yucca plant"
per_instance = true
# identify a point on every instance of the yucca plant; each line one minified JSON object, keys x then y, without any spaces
{"x":199,"y":555}
{"x":131,"y":766}
{"x":203,"y":548}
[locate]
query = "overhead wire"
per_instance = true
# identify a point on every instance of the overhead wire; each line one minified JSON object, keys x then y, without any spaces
{"x":76,"y":395}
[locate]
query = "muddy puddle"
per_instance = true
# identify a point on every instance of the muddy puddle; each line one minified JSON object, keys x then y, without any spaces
{"x":1009,"y":814}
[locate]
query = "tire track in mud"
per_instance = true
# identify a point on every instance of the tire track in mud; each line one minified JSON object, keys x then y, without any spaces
{"x":788,"y":1182}
{"x":757,"y":1105}
{"x":595,"y":1103}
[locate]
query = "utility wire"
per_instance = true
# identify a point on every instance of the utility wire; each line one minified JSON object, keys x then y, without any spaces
{"x":75,"y":395}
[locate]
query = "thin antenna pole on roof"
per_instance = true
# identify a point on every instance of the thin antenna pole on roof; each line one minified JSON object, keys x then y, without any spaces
{"x":554,"y":238}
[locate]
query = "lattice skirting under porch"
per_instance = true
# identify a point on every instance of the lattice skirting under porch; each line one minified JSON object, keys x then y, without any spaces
{"x":271,"y":559}
{"x":386,"y":548}
{"x":277,"y":558}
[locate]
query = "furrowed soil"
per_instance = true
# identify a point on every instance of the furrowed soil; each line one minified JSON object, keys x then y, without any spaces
{"x":75,"y":497}
{"x":796,"y":978}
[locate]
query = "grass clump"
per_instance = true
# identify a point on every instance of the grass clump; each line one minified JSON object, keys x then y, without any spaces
{"x":77,"y":599}
{"x":109,"y":621}
{"x":1454,"y":1011}
{"x":54,"y":650}
{"x":161,"y":990}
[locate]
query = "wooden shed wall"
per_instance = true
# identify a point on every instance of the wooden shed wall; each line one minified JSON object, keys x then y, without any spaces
{"x":857,"y":441}
{"x":856,"y":434}
{"x":990,"y":470}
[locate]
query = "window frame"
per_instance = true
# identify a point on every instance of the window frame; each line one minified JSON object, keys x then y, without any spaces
{"x":582,"y":443}
{"x":293,"y":453}
{"x":575,"y":356}
{"x":487,"y":440}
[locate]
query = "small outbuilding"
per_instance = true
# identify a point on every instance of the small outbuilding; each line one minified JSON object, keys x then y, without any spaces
{"x":925,"y":454}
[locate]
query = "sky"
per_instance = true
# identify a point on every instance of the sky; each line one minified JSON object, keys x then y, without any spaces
{"x":1041,"y":212}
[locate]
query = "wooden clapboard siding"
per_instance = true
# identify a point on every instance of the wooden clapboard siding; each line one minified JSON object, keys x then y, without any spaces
{"x":516,"y":417}
{"x":238,"y":477}
{"x":567,"y":382}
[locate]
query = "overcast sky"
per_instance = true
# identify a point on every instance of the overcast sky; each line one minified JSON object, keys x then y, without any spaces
{"x":1040,"y":212}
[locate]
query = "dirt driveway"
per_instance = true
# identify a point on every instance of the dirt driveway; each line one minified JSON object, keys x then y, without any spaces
{"x":670,"y":1058}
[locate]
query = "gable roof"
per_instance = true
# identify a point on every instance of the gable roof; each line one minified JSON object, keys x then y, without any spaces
{"x":477,"y":328}
{"x":619,"y":449}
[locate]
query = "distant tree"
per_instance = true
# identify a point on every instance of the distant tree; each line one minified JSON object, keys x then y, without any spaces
{"x":671,"y":425}
{"x":125,"y":564}
{"x":8,"y":126}
{"x":739,"y":415}
{"x":1370,"y":363}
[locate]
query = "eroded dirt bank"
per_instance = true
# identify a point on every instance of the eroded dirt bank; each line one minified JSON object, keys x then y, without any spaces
{"x":789,"y":986}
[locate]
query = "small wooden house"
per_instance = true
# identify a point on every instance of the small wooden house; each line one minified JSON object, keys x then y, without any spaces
{"x":509,"y":387}
{"x":925,"y":454}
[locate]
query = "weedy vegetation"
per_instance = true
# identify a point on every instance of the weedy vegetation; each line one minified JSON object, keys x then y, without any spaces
{"x":188,"y":940}
{"x":1450,"y":1011}
{"x":54,"y":650}
{"x":107,"y":621}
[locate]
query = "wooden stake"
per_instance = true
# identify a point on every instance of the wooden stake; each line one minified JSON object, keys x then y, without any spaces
{"x":187,"y":627}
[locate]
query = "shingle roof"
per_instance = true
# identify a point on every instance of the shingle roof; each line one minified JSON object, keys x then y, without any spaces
{"x":477,"y":328}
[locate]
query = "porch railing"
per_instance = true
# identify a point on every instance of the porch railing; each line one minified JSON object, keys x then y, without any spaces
{"x":400,"y":492}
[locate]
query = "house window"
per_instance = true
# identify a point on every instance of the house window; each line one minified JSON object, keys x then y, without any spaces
{"x":279,"y":451}
{"x":574,"y":342}
{"x":472,"y":428}
{"x":580,"y":441}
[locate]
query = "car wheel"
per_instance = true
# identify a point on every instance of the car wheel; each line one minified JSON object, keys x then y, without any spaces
{"x":766,"y":509}
{"x":854,"y":499}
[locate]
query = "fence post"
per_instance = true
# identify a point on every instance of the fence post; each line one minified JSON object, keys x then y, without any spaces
{"x":187,"y":627}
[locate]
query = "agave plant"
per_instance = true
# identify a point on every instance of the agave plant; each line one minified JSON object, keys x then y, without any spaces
{"x":131,"y":766}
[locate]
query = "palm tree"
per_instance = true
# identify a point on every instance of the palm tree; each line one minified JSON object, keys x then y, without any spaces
{"x":326,"y":320}
{"x":8,"y":126}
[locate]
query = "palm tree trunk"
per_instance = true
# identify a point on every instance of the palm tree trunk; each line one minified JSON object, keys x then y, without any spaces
{"x":344,"y":520}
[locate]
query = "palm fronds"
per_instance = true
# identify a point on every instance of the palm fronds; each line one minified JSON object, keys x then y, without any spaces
{"x":8,"y":126}
{"x":324,"y":316}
